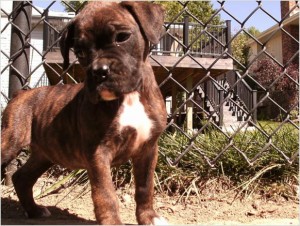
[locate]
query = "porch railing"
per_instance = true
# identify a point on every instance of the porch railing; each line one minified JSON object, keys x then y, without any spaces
{"x":209,"y":41}
{"x":243,"y":92}
{"x":201,"y":42}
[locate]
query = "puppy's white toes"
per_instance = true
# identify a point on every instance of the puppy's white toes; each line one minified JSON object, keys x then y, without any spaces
{"x":160,"y":221}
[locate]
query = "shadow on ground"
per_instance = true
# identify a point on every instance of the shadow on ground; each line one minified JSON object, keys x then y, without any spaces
{"x":13,"y":214}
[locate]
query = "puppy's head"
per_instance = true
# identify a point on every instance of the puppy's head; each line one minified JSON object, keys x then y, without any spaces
{"x":111,"y":42}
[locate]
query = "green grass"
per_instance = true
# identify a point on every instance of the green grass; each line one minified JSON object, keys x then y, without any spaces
{"x":248,"y":162}
{"x":252,"y":160}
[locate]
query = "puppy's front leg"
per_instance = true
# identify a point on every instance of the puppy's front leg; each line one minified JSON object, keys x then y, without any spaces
{"x":143,"y":168}
{"x":103,"y":192}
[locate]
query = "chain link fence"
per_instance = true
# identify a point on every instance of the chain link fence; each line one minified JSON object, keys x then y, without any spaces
{"x":219,"y":103}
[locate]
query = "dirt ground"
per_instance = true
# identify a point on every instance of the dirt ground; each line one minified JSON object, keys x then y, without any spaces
{"x":72,"y":206}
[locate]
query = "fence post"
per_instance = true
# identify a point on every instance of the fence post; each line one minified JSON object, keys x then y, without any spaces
{"x":254,"y":102}
{"x":189,"y":106}
{"x":221,"y":104}
{"x":19,"y":48}
{"x":228,"y":35}
{"x":236,"y":77}
{"x":186,"y":32}
{"x":45,"y":30}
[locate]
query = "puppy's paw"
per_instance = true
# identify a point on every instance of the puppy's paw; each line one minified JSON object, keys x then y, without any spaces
{"x":160,"y":221}
{"x":39,"y":211}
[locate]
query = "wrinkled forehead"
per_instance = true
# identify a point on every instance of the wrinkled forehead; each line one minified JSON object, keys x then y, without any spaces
{"x":97,"y":15}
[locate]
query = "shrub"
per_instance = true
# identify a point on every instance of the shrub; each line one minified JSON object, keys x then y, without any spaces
{"x":280,"y":82}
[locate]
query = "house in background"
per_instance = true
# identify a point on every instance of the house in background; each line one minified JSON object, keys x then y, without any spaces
{"x":280,"y":45}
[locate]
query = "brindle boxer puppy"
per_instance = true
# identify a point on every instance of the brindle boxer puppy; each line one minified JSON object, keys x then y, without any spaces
{"x":116,"y":115}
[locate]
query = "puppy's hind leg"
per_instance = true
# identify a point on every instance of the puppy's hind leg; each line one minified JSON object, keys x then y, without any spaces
{"x":23,"y":181}
{"x":10,"y":149}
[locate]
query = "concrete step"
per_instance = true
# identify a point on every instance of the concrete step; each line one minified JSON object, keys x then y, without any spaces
{"x":231,"y":123}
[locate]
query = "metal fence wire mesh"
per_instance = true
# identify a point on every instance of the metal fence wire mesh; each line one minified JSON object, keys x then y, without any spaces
{"x":212,"y":95}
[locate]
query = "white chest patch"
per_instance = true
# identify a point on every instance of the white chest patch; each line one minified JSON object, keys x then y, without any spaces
{"x":134,"y":115}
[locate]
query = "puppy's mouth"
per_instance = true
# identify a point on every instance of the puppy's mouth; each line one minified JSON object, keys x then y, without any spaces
{"x":112,"y":92}
{"x":107,"y":95}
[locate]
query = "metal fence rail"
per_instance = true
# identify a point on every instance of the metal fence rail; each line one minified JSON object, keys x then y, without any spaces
{"x":206,"y":87}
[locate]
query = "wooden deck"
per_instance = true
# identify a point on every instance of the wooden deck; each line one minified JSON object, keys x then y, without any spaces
{"x":187,"y":68}
{"x":180,"y":69}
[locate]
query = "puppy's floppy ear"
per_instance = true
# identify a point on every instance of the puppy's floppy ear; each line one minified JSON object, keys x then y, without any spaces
{"x":66,"y":42}
{"x":150,"y":18}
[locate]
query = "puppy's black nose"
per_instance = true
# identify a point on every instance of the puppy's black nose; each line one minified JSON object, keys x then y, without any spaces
{"x":101,"y":71}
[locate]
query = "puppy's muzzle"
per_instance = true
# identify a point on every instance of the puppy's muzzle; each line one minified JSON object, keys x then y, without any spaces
{"x":101,"y":72}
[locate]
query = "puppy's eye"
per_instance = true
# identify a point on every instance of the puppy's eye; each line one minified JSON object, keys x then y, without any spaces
{"x":122,"y":37}
{"x":80,"y":53}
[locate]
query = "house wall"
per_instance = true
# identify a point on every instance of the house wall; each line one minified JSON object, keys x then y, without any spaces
{"x":273,"y":47}
{"x":35,"y":56}
{"x":290,"y":45}
{"x":254,"y":50}
{"x":288,"y":7}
